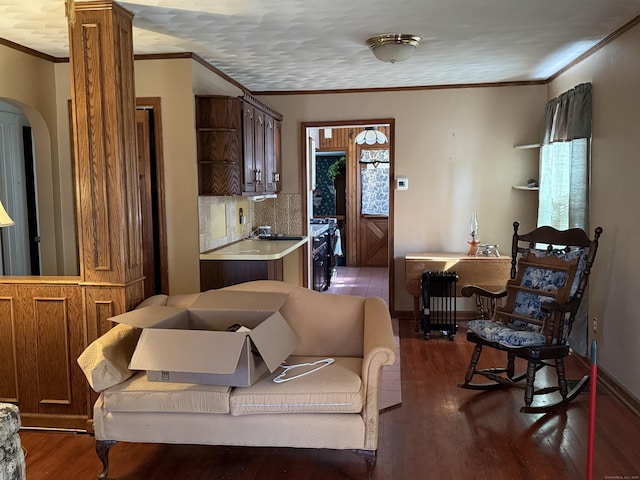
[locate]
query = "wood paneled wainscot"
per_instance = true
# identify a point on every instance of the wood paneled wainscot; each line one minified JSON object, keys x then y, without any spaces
{"x":41,"y":335}
{"x":489,"y":272}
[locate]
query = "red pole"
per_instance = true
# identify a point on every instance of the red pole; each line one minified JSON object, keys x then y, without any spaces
{"x":592,"y":407}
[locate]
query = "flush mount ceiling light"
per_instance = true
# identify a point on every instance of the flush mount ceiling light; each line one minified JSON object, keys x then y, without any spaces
{"x":370,"y":136}
{"x":393,"y":47}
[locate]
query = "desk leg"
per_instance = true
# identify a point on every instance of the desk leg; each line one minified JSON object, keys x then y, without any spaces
{"x":416,"y":312}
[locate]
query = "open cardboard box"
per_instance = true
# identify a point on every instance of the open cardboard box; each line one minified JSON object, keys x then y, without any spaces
{"x":192,"y":345}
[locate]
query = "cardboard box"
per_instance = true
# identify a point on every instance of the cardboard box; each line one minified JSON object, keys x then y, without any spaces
{"x":192,"y":345}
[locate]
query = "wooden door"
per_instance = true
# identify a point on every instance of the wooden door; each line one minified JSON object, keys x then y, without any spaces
{"x":374,"y":241}
{"x":146,"y":202}
{"x":373,"y":218}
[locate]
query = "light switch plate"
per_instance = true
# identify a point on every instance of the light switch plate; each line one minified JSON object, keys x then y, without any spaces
{"x":402,"y":183}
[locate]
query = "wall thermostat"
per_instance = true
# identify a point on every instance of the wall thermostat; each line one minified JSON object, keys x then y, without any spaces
{"x":402,"y":183}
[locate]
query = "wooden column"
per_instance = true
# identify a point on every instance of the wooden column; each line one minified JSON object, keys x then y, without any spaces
{"x":103,"y":100}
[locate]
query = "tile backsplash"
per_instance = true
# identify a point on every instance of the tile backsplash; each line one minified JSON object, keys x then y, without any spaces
{"x":283,"y":214}
{"x":219,"y":219}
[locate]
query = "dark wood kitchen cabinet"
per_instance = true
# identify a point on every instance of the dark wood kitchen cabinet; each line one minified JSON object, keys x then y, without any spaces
{"x":239,"y":146}
{"x":219,"y":143}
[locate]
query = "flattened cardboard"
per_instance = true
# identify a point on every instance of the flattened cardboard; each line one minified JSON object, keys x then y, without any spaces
{"x":192,"y":345}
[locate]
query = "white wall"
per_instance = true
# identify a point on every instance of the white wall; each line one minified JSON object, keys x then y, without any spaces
{"x":614,"y":72}
{"x":456,"y":148}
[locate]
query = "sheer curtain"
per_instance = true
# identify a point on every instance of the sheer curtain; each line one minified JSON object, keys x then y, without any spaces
{"x":564,"y":177}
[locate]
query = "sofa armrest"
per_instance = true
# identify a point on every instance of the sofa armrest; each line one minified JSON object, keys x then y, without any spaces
{"x":379,"y":350}
{"x":105,"y":362}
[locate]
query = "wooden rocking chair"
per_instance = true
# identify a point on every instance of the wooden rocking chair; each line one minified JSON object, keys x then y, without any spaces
{"x":539,"y":306}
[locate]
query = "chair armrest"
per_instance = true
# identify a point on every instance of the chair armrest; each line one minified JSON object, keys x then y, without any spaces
{"x":379,"y":350}
{"x":469,"y":290}
{"x":567,"y":307}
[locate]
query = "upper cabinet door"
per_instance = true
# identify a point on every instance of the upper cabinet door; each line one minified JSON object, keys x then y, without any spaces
{"x":248,"y":126}
{"x":259,"y":150}
{"x":271,"y":171}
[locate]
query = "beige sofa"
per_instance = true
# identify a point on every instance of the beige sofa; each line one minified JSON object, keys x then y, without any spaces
{"x":336,"y":407}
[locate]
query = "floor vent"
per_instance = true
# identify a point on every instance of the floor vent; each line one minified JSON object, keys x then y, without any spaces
{"x":587,"y":388}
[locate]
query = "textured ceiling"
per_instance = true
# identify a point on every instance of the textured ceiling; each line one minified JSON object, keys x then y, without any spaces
{"x":284,"y":45}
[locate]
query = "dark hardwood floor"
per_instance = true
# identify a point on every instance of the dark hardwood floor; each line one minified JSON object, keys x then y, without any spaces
{"x":439,"y":432}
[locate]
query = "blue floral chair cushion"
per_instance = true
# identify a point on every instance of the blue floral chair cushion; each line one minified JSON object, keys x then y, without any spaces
{"x":520,"y":322}
{"x":515,"y":335}
{"x":579,"y":254}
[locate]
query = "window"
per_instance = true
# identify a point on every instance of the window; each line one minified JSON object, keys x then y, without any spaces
{"x":374,"y":178}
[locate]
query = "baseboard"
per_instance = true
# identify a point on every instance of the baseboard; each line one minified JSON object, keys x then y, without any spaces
{"x":38,"y":421}
{"x":463,"y":316}
{"x":616,"y":388}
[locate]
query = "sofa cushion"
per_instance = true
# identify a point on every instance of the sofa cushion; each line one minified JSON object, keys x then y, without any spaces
{"x":336,"y":388}
{"x":137,"y":394}
{"x":105,"y":362}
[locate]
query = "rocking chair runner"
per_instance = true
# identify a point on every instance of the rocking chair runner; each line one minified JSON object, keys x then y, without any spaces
{"x":539,"y":306}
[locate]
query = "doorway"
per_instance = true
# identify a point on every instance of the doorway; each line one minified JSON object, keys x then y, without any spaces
{"x":151,"y":185}
{"x":366,"y":237}
{"x":20,"y":244}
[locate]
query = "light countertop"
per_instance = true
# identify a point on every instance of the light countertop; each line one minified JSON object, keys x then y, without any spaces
{"x":252,"y":249}
{"x":462,"y":256}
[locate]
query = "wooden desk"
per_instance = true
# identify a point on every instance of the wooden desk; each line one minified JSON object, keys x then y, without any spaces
{"x":491,"y":273}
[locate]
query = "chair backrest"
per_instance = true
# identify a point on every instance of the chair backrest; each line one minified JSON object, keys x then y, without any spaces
{"x":539,"y":279}
{"x":566,"y":245}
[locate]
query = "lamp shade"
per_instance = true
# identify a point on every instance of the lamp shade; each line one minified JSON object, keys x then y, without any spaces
{"x":370,"y":136}
{"x":393,"y":47}
{"x":5,"y":219}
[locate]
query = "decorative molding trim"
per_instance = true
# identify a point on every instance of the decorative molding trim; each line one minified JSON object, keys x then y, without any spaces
{"x":608,"y":39}
{"x":220,"y":73}
{"x":28,"y":51}
{"x":197,"y":58}
{"x":402,"y":89}
{"x":46,"y":311}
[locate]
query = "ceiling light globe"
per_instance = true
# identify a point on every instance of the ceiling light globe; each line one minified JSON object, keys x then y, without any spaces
{"x":393,"y":48}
